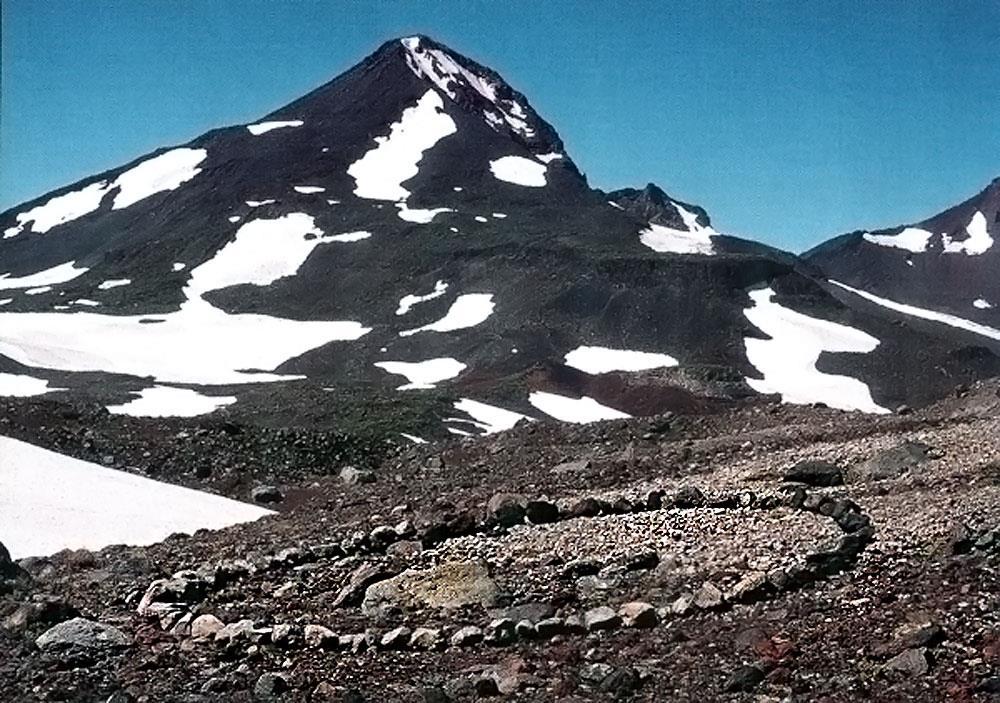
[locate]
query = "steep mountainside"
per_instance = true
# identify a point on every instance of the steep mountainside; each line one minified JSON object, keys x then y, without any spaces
{"x":415,"y":225}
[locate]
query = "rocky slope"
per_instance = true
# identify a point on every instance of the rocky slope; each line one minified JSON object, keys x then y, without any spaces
{"x":763,"y":553}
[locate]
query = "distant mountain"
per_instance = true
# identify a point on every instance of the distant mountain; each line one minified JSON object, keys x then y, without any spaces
{"x":414,"y":237}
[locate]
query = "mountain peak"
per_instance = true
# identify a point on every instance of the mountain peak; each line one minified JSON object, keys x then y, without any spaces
{"x":653,"y":204}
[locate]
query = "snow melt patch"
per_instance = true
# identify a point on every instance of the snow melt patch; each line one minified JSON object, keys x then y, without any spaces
{"x":168,"y":171}
{"x":596,"y":360}
{"x":21,"y":386}
{"x":114,"y":283}
{"x":423,"y":374}
{"x":308,"y":190}
{"x":981,"y":304}
{"x":413,"y":438}
{"x":447,"y":73}
{"x":198,"y":343}
{"x":696,"y":239}
{"x":86,"y":303}
{"x":579,"y":410}
{"x":519,"y":171}
{"x":258,"y":203}
{"x":50,"y":502}
{"x":379,"y":174}
{"x":165,"y":401}
{"x":467,"y":311}
{"x":407,"y":302}
{"x":265,"y":127}
{"x":911,"y":239}
{"x":47,"y":278}
{"x":420,"y":216}
{"x":489,"y":418}
{"x":548,"y":158}
{"x":924,"y":314}
{"x":788,"y":359}
{"x":978,"y":242}
{"x":60,"y":210}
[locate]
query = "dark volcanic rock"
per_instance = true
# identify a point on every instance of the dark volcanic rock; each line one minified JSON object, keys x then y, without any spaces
{"x":815,"y":473}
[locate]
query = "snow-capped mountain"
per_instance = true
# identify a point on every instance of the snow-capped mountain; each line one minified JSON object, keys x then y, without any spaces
{"x":941,"y":270}
{"x":411,"y":226}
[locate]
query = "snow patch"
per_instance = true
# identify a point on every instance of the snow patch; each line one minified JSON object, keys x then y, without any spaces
{"x":21,"y":386}
{"x":47,"y":278}
{"x":447,"y":73}
{"x":911,"y":239}
{"x":168,"y":171}
{"x":596,"y":360}
{"x":696,"y":239}
{"x":480,"y":218}
{"x":164,"y":401}
{"x":407,"y":302}
{"x":788,"y":359}
{"x":548,"y":158}
{"x":86,"y":303}
{"x":60,"y":210}
{"x":579,"y":410}
{"x":423,"y":374}
{"x":379,"y":174}
{"x":419,"y":216}
{"x":307,"y":190}
{"x":924,"y":314}
{"x":50,"y":502}
{"x":178,"y":266}
{"x":234,"y":218}
{"x":413,"y":438}
{"x":981,"y":304}
{"x":265,"y":127}
{"x":519,"y":171}
{"x":978,"y":242}
{"x":467,"y":311}
{"x":39,"y":291}
{"x":489,"y":418}
{"x":500,"y":215}
{"x":258,"y":203}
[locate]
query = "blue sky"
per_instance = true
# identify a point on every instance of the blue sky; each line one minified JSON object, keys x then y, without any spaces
{"x":788,"y":121}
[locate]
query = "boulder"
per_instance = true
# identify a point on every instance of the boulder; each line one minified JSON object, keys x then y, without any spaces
{"x":468,"y":635}
{"x":506,"y":509}
{"x":816,"y":473}
{"x":319,"y":637}
{"x":353,"y":476}
{"x":270,"y":686}
{"x":708,"y":597}
{"x":449,"y":585}
{"x":425,"y":638}
{"x":890,"y":463}
{"x":204,"y":627}
{"x":540,"y":512}
{"x":396,"y":638}
{"x":83,"y":633}
{"x":353,"y":592}
{"x":638,"y":614}
{"x":601,"y":618}
{"x":267,"y":494}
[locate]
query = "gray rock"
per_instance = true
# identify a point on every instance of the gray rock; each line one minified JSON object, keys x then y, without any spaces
{"x":466,"y":636}
{"x":357,"y":584}
{"x":42,"y":609}
{"x":550,"y":627}
{"x":744,"y":679}
{"x":506,"y":509}
{"x":525,"y":630}
{"x":891,"y":463}
{"x":270,"y":686}
{"x":683,"y":604}
{"x":601,"y":618}
{"x":205,"y":627}
{"x":239,"y":630}
{"x":397,"y":638}
{"x":815,"y":473}
{"x":282,"y":635}
{"x":448,"y":585}
{"x":708,"y":597}
{"x":638,"y":614}
{"x":319,"y":637}
{"x":912,"y":662}
{"x":183,"y":589}
{"x":426,"y":638}
{"x":80,"y":632}
{"x":501,"y":631}
{"x":353,"y":476}
{"x":621,"y":682}
{"x":584,"y":507}
{"x":689,"y":497}
{"x":267,"y":494}
{"x":595,"y":673}
{"x":529,"y":611}
{"x":751,"y":586}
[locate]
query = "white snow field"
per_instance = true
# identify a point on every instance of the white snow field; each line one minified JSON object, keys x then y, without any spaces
{"x":697,"y":239}
{"x":788,"y":359}
{"x":423,"y":374}
{"x":50,"y":502}
{"x":981,"y":304}
{"x":925,"y":314}
{"x":21,"y":386}
{"x":978,"y":242}
{"x":446,"y":73}
{"x":165,"y":401}
{"x":420,"y":216}
{"x":407,"y":302}
{"x":910,"y":239}
{"x":60,"y":209}
{"x":265,"y":127}
{"x":603,"y":360}
{"x":168,"y":171}
{"x":579,"y":410}
{"x":467,"y":311}
{"x":198,"y":343}
{"x":114,"y":283}
{"x":379,"y":174}
{"x":489,"y":418}
{"x":6,"y":301}
{"x":49,"y":277}
{"x":519,"y":171}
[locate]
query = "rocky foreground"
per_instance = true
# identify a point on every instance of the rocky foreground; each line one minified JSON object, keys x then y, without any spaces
{"x":762,"y":553}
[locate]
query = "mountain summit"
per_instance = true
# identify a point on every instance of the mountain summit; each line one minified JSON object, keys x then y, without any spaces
{"x":412,"y":235}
